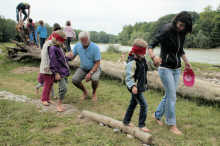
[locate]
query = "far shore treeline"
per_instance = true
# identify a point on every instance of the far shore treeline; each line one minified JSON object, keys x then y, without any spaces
{"x":206,"y":30}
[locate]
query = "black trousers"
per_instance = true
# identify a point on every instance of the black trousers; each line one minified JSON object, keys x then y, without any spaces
{"x":42,"y":41}
{"x":68,"y":41}
{"x":136,"y":99}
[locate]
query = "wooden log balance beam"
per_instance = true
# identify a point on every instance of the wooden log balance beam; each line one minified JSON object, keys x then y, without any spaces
{"x":134,"y":131}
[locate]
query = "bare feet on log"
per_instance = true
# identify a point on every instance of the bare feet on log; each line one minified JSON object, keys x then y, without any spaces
{"x":51,"y":102}
{"x":145,"y":129}
{"x":129,"y":125}
{"x":175,"y":130}
{"x":60,"y":108}
{"x":45,"y":103}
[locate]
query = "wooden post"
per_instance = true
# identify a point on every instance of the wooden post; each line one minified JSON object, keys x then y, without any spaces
{"x":134,"y":131}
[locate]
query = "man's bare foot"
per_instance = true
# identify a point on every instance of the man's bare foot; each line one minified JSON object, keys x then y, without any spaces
{"x":158,"y":121}
{"x":55,"y":97}
{"x":60,"y":108}
{"x":84,"y":96}
{"x":175,"y":130}
{"x":45,"y":103}
{"x":145,"y":129}
{"x":94,"y":97}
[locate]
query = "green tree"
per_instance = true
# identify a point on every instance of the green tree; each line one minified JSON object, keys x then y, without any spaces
{"x":216,"y":31}
{"x":7,"y":29}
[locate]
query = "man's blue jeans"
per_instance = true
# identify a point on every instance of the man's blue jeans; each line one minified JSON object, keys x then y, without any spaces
{"x":170,"y":80}
{"x":135,"y":99}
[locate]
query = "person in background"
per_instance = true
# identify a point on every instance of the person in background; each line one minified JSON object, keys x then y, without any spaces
{"x":90,"y":58}
{"x":59,"y":65}
{"x":70,"y":35}
{"x":31,"y":31}
{"x":41,"y":33}
{"x":171,"y":38}
{"x":21,"y":9}
{"x":56,"y":27}
{"x":136,"y":82}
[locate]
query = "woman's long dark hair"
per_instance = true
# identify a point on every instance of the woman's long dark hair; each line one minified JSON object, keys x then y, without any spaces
{"x":185,"y":18}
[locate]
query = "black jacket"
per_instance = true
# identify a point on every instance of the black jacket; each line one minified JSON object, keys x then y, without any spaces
{"x":140,"y":73}
{"x":171,"y":43}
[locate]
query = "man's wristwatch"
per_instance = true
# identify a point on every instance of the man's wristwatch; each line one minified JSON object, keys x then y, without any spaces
{"x":91,"y":72}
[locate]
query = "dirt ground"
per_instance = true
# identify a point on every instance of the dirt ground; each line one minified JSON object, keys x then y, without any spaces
{"x":22,"y":70}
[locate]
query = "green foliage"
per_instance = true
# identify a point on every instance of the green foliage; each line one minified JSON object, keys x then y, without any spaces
{"x":7,"y":29}
{"x":102,"y":37}
{"x":216,"y":30}
{"x":206,"y":29}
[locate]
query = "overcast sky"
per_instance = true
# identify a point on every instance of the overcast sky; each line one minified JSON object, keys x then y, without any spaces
{"x":107,"y":15}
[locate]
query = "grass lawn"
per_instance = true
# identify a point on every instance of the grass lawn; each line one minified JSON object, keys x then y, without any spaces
{"x":23,"y":124}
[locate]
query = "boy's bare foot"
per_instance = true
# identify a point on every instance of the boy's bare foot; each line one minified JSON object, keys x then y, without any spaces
{"x":145,"y":129}
{"x":158,"y":121}
{"x":60,"y":108}
{"x":45,"y":103}
{"x":175,"y":130}
{"x":130,"y":125}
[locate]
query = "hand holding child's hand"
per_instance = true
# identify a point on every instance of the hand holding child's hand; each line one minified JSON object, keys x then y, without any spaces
{"x":69,"y":54}
{"x":57,"y":77}
{"x":134,"y":90}
{"x":157,"y":61}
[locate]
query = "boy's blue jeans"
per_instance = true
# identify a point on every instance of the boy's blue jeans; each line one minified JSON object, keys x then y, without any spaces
{"x":135,"y":99}
{"x":170,"y":80}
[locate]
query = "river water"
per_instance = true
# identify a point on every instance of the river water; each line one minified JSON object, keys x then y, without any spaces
{"x":210,"y":56}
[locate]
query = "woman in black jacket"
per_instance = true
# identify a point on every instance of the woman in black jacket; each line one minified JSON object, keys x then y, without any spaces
{"x":171,"y":38}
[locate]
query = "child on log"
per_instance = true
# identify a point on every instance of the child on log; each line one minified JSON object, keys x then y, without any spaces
{"x":59,"y":65}
{"x":21,"y":9}
{"x":31,"y":31}
{"x":136,"y":81}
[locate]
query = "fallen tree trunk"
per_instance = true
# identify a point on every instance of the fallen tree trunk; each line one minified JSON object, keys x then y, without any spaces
{"x":22,"y":50}
{"x":134,"y":131}
{"x":201,"y":90}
